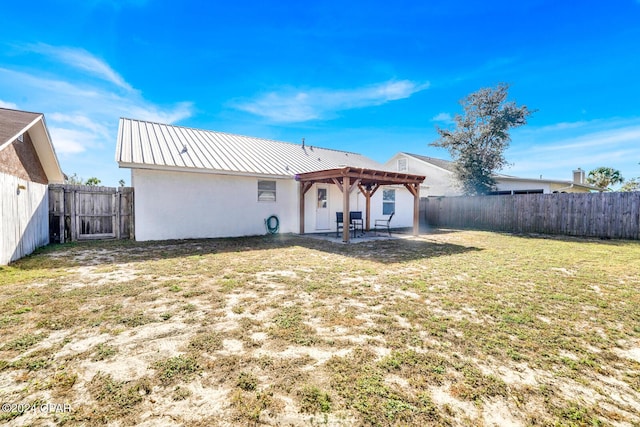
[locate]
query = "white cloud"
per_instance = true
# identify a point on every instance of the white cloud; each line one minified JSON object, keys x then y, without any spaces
{"x":82,"y":60}
{"x":81,"y":111}
{"x":443,"y":117}
{"x":580,"y":136}
{"x":292,"y":105}
{"x":10,"y":105}
{"x":71,"y":141}
{"x":153,"y":113}
{"x":80,"y":103}
{"x":555,"y":150}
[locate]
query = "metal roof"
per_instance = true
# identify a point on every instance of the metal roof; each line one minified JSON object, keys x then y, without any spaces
{"x":450,"y":166}
{"x":143,"y":144}
{"x":442,"y":164}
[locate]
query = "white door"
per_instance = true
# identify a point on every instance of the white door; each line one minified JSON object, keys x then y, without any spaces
{"x":322,"y":208}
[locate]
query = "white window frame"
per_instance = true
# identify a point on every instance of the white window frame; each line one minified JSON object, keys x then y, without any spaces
{"x":265,"y":191}
{"x":403,"y":164}
{"x":388,"y":201}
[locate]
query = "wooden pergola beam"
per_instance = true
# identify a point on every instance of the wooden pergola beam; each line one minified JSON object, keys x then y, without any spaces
{"x":345,"y":210}
{"x":366,"y":176}
{"x":415,"y":190}
{"x":304,"y":187}
{"x":368,"y":191}
{"x":368,"y":182}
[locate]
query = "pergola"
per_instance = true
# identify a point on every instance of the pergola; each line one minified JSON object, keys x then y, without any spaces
{"x":368,"y":181}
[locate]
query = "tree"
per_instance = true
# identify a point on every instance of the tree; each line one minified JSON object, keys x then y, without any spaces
{"x":631,"y":185}
{"x":481,"y":136}
{"x":73,"y":179}
{"x":603,"y":177}
{"x":93,"y":181}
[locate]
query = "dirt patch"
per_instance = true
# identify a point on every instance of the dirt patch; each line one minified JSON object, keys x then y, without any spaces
{"x":458,"y":328}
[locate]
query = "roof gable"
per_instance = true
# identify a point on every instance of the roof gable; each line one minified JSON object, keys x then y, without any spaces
{"x":442,"y":164}
{"x":144,"y":144}
{"x":14,"y":123}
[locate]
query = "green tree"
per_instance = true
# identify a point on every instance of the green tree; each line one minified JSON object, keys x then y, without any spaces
{"x":73,"y":179}
{"x":481,"y":136}
{"x":631,"y":185}
{"x":604,"y":177}
{"x":93,"y":181}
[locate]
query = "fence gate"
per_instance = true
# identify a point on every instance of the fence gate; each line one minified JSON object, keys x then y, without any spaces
{"x":96,"y":216}
{"x":81,"y":212}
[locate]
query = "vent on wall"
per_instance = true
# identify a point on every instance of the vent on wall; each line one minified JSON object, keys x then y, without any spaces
{"x":402,"y":165}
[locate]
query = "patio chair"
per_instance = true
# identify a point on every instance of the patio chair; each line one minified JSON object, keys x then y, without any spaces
{"x":340,"y":224}
{"x":383,"y":223}
{"x":355,"y":218}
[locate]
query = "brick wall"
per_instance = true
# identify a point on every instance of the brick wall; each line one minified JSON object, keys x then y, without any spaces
{"x":21,"y":160}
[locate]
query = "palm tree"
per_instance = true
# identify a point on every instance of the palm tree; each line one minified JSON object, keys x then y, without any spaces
{"x":603,"y":177}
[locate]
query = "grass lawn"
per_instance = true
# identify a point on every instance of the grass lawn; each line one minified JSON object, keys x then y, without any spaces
{"x":453,"y":328}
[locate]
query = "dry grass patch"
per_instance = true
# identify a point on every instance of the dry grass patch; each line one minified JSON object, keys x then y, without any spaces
{"x":454,"y":328}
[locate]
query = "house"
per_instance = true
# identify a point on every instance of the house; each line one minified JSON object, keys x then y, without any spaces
{"x":193,"y":183}
{"x":441,"y":179}
{"x":28,"y":163}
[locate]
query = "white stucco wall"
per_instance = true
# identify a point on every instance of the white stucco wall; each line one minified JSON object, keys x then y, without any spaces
{"x":546,"y":186}
{"x":522,"y":185}
{"x":402,"y":218}
{"x":181,"y":205}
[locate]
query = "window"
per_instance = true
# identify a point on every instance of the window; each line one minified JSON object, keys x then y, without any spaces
{"x":537,"y":191}
{"x":266,"y":191}
{"x":511,"y":192}
{"x":322,"y":198}
{"x":388,"y":202}
{"x":402,"y":165}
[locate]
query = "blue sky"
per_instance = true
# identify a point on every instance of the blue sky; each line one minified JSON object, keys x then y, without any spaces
{"x":371,"y":77}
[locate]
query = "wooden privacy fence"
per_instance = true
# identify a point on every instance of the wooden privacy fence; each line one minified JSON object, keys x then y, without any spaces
{"x":23,"y":217}
{"x":81,"y":212}
{"x":605,"y":215}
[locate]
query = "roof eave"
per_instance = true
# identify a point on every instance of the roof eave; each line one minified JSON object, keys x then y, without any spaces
{"x":43,"y":145}
{"x":125,"y":165}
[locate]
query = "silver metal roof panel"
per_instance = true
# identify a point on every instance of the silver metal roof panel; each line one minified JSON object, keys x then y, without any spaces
{"x":155,"y":145}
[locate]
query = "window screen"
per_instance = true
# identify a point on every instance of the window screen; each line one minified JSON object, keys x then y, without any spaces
{"x":266,"y":191}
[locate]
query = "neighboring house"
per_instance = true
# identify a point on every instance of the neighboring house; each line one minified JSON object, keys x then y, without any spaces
{"x":28,"y":163}
{"x":440,"y":174}
{"x":192,"y":183}
{"x":441,"y":180}
{"x":514,"y":185}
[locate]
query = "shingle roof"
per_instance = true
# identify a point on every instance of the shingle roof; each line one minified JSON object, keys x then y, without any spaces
{"x":13,"y":123}
{"x":161,"y":146}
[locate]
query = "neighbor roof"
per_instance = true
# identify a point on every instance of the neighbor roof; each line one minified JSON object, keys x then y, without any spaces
{"x":149,"y":145}
{"x":450,"y":166}
{"x":443,"y":164}
{"x":14,"y":123}
{"x":552,"y":181}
